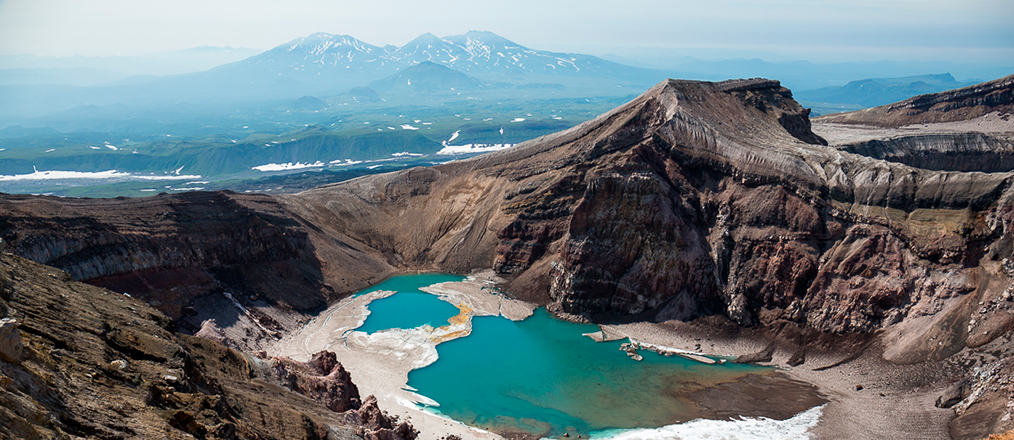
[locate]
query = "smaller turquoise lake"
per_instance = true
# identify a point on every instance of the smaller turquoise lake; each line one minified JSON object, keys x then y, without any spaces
{"x":388,"y":313}
{"x":540,"y":376}
{"x":410,"y":307}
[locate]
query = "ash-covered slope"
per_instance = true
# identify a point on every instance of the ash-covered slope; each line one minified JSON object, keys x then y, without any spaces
{"x":695,"y":198}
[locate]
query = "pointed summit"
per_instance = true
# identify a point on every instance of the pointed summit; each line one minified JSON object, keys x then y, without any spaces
{"x":424,"y":38}
{"x":482,"y":39}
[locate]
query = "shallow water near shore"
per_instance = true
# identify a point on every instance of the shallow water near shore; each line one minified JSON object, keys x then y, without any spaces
{"x":541,"y":376}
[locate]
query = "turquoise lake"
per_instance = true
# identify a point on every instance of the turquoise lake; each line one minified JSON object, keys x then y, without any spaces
{"x":540,"y":376}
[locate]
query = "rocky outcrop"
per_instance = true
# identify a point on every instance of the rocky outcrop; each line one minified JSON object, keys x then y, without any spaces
{"x":378,"y":425}
{"x":322,"y":379}
{"x":210,"y":330}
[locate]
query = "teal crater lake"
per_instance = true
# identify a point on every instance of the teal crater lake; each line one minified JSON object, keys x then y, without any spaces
{"x":541,"y":376}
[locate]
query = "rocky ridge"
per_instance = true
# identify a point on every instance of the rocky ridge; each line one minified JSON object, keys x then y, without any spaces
{"x":955,"y":105}
{"x":693,"y":199}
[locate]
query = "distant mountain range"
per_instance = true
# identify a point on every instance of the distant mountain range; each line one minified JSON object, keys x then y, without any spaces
{"x":318,"y":65}
{"x":480,"y":71}
{"x":343,"y":62}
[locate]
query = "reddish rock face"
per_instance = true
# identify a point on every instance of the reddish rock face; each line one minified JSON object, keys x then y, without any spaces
{"x":633,"y":245}
{"x":862,"y":283}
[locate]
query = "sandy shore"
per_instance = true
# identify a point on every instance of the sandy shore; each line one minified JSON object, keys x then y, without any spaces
{"x":885,"y":407}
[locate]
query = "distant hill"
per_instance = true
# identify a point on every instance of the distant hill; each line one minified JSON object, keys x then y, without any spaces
{"x":308,"y":103}
{"x":428,"y":77}
{"x":876,"y":91}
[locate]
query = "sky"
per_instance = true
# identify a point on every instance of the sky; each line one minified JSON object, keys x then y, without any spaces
{"x":815,"y":30}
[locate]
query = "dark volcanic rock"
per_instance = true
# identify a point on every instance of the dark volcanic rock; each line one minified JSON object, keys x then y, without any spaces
{"x":379,"y":426}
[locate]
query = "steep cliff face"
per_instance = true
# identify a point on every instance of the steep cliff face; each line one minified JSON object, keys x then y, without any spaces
{"x":971,"y":151}
{"x":170,"y":249}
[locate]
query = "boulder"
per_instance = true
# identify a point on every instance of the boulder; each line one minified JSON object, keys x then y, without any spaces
{"x":11,"y":348}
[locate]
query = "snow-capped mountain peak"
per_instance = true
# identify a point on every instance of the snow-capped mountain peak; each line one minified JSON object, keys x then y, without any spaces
{"x":342,"y":60}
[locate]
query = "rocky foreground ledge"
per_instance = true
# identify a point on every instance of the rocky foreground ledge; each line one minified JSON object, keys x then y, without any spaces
{"x":83,"y":361}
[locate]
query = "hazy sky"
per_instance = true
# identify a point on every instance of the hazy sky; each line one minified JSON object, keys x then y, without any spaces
{"x":903,"y":30}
